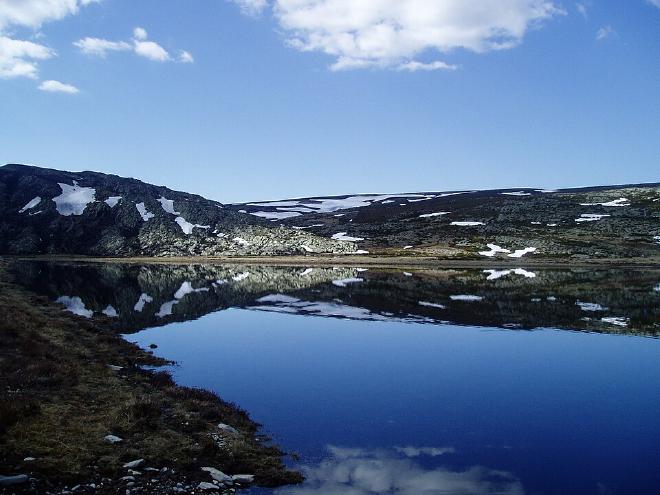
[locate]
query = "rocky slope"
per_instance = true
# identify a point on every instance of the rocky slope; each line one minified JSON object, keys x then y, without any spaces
{"x":46,"y":211}
{"x":578,"y":224}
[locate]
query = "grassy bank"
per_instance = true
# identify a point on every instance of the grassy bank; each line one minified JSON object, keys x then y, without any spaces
{"x":66,"y":383}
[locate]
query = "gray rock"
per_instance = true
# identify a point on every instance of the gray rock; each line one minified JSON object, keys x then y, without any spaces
{"x":229,"y":429}
{"x":217,"y":475}
{"x":244,"y":479}
{"x":112,"y":439}
{"x":204,"y":485}
{"x":134,"y":464}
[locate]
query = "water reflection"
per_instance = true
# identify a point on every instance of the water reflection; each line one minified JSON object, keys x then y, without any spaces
{"x":365,"y":472}
{"x":138,"y":297}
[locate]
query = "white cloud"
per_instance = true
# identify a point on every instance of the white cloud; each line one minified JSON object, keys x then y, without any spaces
{"x":100,"y":47}
{"x":18,"y":58}
{"x":604,"y":33}
{"x":414,"y":66}
{"x":583,"y":8}
{"x":151,"y":50}
{"x":140,"y":33}
{"x":394,"y":33}
{"x":33,"y":13}
{"x":140,"y":45}
{"x":251,"y":7}
{"x":186,"y":57}
{"x":58,"y":87}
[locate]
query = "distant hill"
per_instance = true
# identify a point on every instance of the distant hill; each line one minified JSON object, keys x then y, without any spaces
{"x":592,"y":222}
{"x":45,"y":211}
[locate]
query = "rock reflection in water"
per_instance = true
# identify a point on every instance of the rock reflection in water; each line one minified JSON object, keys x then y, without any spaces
{"x":621,"y":301}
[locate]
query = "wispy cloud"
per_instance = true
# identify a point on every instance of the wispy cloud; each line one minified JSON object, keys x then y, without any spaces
{"x":139,"y":44}
{"x":654,"y":2}
{"x":52,"y":86}
{"x":605,"y":32}
{"x":394,"y":33}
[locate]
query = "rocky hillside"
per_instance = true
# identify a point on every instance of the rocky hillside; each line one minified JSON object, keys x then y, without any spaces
{"x":46,"y":211}
{"x":577,"y":224}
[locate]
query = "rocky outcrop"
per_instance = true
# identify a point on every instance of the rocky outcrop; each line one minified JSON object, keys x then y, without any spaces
{"x":46,"y":211}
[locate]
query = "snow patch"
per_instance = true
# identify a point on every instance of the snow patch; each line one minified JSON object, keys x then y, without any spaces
{"x":31,"y":204}
{"x":240,"y":276}
{"x":112,"y":201}
{"x":495,"y":274}
{"x":436,"y":214}
{"x":494,"y":249}
{"x":466,"y":297}
{"x":467,"y":224}
{"x":278,"y":298}
{"x":346,"y":281}
{"x":241,"y":241}
{"x":276,"y":215}
{"x":74,"y":199}
{"x":341,"y":236}
{"x":187,"y":288}
{"x":168,"y":205}
{"x":590,"y":217}
{"x":74,"y":305}
{"x":519,"y":253}
{"x":615,"y":202}
{"x":144,"y":299}
{"x":110,"y":312}
{"x":587,"y":306}
{"x":431,"y":305}
{"x":517,"y":193}
{"x":188,"y":227}
{"x":615,"y":320}
{"x":144,"y":213}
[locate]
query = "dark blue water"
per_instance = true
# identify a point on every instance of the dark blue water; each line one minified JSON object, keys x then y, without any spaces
{"x":391,"y":407}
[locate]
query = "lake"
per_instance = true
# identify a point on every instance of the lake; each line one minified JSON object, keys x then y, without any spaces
{"x":404,"y":381}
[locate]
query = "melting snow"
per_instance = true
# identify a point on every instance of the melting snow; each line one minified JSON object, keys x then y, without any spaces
{"x":345,"y":281}
{"x":74,"y":199}
{"x":276,"y":215}
{"x":240,"y":276}
{"x":590,"y":217}
{"x":112,"y":201}
{"x":187,"y":288}
{"x":494,"y":249}
{"x":615,"y":320}
{"x":278,"y":298}
{"x":517,"y":193}
{"x":142,"y":210}
{"x":308,"y":226}
{"x":467,"y":224}
{"x":188,"y":227}
{"x":341,"y":236}
{"x":110,"y":312}
{"x":307,"y":249}
{"x":241,"y":241}
{"x":465,"y":297}
{"x":519,"y":253}
{"x":168,"y":205}
{"x":495,"y":274}
{"x":144,"y":299}
{"x":307,"y":271}
{"x":361,"y":251}
{"x":166,"y":309}
{"x":587,"y":306}
{"x":616,"y":202}
{"x":31,"y":204}
{"x":431,"y":305}
{"x":437,"y":214}
{"x":74,"y":305}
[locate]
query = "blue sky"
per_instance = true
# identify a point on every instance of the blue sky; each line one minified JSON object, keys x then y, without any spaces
{"x":287,"y":98}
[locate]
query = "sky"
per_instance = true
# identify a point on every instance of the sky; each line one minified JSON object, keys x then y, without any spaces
{"x":245,"y":100}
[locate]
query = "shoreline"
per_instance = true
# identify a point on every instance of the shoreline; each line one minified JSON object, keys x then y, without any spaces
{"x":80,"y":405}
{"x":352,"y":260}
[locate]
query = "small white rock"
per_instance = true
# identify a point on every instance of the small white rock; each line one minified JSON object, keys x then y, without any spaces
{"x":112,"y":439}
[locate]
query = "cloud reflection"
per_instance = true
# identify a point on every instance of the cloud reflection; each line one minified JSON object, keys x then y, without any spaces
{"x":350,"y":471}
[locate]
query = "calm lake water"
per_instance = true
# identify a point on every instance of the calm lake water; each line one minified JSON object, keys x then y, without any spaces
{"x":410,"y":382}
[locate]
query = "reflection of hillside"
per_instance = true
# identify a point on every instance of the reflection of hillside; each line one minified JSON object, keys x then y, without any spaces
{"x":137,"y":297}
